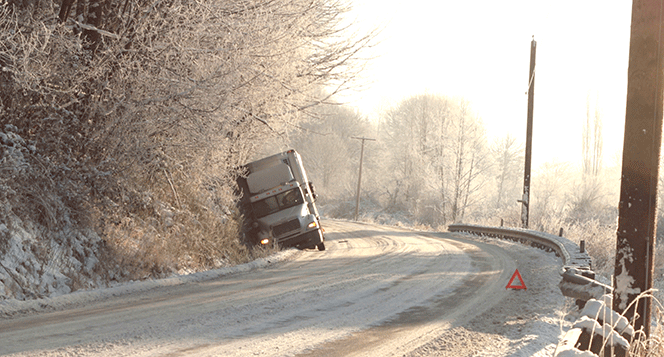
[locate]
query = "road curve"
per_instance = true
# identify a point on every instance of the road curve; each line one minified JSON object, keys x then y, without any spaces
{"x":375,"y":291}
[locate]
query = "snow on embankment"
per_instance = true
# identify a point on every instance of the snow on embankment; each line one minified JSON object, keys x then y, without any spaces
{"x":38,"y":257}
{"x":31,"y":267}
{"x":56,"y":236}
{"x":13,"y":307}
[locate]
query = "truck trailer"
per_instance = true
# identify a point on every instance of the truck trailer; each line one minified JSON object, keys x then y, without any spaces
{"x":278,"y":203}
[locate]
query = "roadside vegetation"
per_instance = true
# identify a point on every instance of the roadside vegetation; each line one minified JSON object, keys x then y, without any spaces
{"x":122,"y":122}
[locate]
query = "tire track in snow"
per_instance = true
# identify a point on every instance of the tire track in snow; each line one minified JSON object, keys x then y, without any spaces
{"x":370,"y":283}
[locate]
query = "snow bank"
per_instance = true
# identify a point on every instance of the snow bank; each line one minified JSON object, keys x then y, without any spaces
{"x":598,"y":310}
{"x":13,"y":307}
{"x":573,"y":352}
{"x":605,"y":332}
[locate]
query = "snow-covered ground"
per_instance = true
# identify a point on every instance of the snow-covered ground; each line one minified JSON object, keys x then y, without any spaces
{"x":374,"y":290}
{"x":525,"y":323}
{"x":12,"y":308}
{"x":32,"y":268}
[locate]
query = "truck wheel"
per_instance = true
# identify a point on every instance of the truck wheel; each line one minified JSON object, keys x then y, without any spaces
{"x":321,"y":246}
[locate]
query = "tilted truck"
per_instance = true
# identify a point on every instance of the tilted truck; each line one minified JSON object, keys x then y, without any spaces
{"x":278,"y":203}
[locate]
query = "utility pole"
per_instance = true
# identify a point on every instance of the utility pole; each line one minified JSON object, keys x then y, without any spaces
{"x":637,"y":224}
{"x":525,"y":199}
{"x":359,"y":176}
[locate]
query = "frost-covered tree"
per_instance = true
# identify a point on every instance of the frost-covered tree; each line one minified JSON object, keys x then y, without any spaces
{"x":411,"y":134}
{"x":146,"y":107}
{"x":592,"y":141}
{"x":470,"y":161}
{"x":588,"y":197}
{"x":507,"y":155}
{"x":326,"y":144}
{"x":438,"y":157}
{"x":551,"y":188}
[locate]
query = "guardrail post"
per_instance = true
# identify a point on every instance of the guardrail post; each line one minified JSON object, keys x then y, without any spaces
{"x":634,"y":265}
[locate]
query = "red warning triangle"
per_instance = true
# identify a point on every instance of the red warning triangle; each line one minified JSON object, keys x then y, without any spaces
{"x":516,"y":275}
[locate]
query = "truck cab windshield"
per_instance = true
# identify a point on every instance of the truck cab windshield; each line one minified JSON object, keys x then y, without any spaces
{"x":279,"y":202}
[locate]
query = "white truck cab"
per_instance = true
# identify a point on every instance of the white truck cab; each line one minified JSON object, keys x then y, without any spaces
{"x":278,"y":200}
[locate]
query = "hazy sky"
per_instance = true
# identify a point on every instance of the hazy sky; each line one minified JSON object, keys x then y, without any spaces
{"x":480,"y":50}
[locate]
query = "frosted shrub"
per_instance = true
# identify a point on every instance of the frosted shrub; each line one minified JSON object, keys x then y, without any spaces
{"x":600,"y":243}
{"x":135,"y":116}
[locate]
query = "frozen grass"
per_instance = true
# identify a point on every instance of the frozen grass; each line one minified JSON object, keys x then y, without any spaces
{"x":78,"y":227}
{"x":653,"y":346}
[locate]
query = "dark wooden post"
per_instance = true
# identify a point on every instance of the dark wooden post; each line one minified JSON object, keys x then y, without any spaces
{"x":359,"y":177}
{"x":525,"y":200}
{"x":635,"y":247}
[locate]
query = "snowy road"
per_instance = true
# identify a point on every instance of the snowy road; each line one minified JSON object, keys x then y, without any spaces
{"x":375,"y":291}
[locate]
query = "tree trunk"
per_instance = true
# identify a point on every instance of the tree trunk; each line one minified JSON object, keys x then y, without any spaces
{"x":65,"y":9}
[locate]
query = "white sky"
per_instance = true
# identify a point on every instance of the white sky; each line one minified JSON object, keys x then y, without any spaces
{"x":480,"y":50}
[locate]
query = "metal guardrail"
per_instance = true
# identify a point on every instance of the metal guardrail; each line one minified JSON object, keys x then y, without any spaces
{"x":577,"y":282}
{"x":563,"y":247}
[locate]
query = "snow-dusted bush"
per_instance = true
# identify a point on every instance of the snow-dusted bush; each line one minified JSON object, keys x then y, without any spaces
{"x":131,"y":117}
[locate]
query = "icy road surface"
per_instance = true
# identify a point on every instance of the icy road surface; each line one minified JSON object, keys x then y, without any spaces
{"x":375,"y":291}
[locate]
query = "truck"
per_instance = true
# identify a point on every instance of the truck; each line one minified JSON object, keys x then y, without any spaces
{"x":279,"y":203}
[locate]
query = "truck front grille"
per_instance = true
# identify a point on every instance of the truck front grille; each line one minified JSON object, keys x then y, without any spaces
{"x":284,"y":228}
